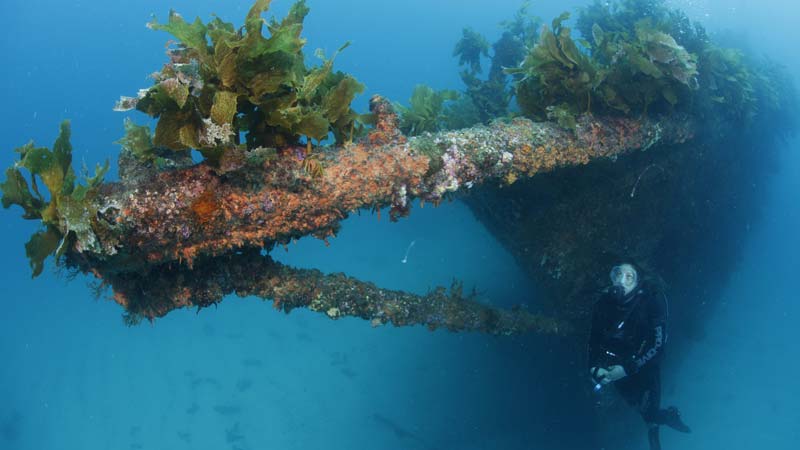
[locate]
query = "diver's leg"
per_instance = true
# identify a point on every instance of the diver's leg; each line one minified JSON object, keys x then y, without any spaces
{"x":670,"y":417}
{"x":635,"y":390}
{"x":649,"y":404}
{"x":653,"y":436}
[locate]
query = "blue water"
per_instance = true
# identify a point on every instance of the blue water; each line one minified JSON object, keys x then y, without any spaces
{"x":244,"y":376}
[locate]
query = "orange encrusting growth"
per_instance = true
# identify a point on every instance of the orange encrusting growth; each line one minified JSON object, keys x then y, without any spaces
{"x":183,"y":214}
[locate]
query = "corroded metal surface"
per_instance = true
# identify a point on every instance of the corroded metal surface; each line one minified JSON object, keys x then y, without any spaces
{"x":154,"y":294}
{"x":179,"y":215}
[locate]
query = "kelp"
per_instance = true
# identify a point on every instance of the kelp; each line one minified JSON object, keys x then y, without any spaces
{"x":555,"y":73}
{"x":470,"y":48}
{"x":727,"y":83}
{"x":426,"y":110}
{"x":622,"y":16}
{"x":643,"y":69}
{"x":222,"y":82}
{"x":637,"y":58}
{"x":658,"y":47}
{"x":633,"y":58}
{"x":740,"y":90}
{"x":632,"y":68}
{"x":490,"y":98}
{"x":138,"y":140}
{"x":524,"y":26}
{"x":462,"y":113}
{"x":65,"y":209}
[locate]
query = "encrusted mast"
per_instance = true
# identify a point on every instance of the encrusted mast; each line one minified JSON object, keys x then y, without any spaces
{"x":249,"y":272}
{"x":180,"y":214}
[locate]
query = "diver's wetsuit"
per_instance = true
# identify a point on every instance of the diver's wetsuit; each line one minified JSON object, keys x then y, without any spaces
{"x":632,"y":334}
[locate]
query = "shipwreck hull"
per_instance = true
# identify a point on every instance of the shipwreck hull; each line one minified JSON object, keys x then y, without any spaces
{"x":683,"y":212}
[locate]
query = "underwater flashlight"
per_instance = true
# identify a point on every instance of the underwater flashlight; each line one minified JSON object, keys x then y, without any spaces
{"x":598,"y":384}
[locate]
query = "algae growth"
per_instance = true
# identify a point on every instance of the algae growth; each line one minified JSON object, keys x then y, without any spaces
{"x":64,"y":209}
{"x":222,"y":82}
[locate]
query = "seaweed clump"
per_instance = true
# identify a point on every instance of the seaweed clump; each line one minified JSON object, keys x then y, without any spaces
{"x":65,"y":209}
{"x":628,"y":72}
{"x":490,"y":98}
{"x":556,"y":76}
{"x":222,"y":82}
{"x":427,"y":111}
{"x":637,"y":58}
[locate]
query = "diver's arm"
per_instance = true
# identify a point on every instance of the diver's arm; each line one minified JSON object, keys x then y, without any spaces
{"x":657,"y":323}
{"x":594,"y":356}
{"x":597,"y":373}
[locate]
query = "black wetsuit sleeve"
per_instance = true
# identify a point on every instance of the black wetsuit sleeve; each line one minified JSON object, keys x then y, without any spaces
{"x":656,"y":332}
{"x":595,"y":339}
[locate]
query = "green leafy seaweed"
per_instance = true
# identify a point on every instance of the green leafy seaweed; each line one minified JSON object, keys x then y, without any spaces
{"x":221,"y":83}
{"x":470,"y":48}
{"x":426,"y":111}
{"x":67,"y":212}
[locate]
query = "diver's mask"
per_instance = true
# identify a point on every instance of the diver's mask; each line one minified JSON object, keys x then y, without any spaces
{"x":624,"y":280}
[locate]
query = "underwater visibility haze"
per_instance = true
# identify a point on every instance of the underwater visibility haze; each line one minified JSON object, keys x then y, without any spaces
{"x":304,"y":224}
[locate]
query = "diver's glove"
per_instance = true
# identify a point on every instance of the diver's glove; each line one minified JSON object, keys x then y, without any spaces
{"x":599,"y":375}
{"x":616,"y":373}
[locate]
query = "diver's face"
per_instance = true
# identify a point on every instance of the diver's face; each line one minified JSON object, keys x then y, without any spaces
{"x":625,"y":277}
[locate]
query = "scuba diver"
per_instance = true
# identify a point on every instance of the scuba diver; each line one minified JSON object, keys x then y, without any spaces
{"x":626,"y":345}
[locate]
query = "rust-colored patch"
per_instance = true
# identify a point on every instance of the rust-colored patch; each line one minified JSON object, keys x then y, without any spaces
{"x":205,"y":206}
